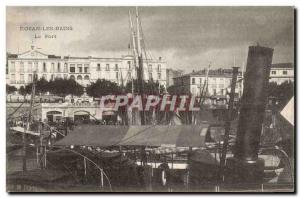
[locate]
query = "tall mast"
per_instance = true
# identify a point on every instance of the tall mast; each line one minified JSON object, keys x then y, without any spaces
{"x":139,"y":48}
{"x":140,"y":65}
{"x":135,"y":54}
{"x":135,"y":57}
{"x":205,"y":86}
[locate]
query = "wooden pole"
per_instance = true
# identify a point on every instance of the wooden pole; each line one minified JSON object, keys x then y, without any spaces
{"x":24,"y":136}
{"x":102,"y":182}
{"x":45,"y":156}
{"x":228,"y":121}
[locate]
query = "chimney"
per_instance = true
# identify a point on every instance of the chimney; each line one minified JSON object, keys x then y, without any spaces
{"x":245,"y":166}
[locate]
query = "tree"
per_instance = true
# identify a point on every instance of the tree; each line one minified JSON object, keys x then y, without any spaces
{"x":10,"y":89}
{"x":42,"y":85}
{"x":283,"y":92}
{"x":22,"y":91}
{"x":103,"y":87}
{"x":71,"y":87}
{"x":149,"y":88}
{"x":61,"y":87}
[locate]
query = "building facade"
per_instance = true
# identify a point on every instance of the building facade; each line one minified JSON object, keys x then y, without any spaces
{"x":218,"y":82}
{"x":282,"y":72}
{"x":20,"y":68}
{"x":171,"y":74}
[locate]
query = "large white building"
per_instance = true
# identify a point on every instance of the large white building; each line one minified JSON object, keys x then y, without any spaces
{"x":219,"y":80}
{"x":282,"y":72}
{"x":218,"y":83}
{"x":20,"y":68}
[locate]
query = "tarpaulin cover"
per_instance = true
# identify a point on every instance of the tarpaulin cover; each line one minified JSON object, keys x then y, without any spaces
{"x":148,"y":135}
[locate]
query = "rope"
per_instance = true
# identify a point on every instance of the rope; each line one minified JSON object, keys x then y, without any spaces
{"x":97,"y":166}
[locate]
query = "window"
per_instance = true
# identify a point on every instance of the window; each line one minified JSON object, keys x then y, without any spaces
{"x":66,"y":67}
{"x":116,"y":67}
{"x":79,"y":77}
{"x":13,"y":67}
{"x":45,"y":76}
{"x":129,"y":64}
{"x":284,"y":72}
{"x":58,"y":67}
{"x":52,"y":67}
{"x":193,"y":81}
{"x":86,"y":68}
{"x":98,"y":67}
{"x":150,"y":76}
{"x":79,"y":68}
{"x":72,"y":68}
{"x":44,"y":67}
{"x":21,"y":67}
{"x":215,"y":91}
{"x":65,"y":76}
{"x":150,"y":67}
{"x":107,"y":67}
{"x":86,"y":77}
{"x":29,"y":78}
{"x":29,"y":69}
{"x":273,"y":72}
{"x":52,"y":76}
{"x":200,"y":80}
{"x":36,"y":66}
{"x":129,"y":75}
{"x":72,"y":77}
{"x":21,"y":78}
{"x":221,"y":86}
{"x":117,"y":75}
{"x":13,"y":78}
{"x":159,"y":67}
{"x":159,"y":76}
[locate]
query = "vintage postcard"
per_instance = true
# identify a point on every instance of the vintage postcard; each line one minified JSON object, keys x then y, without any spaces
{"x":150,"y":99}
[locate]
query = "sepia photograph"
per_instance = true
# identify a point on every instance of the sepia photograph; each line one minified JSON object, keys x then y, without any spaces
{"x":193,"y":99}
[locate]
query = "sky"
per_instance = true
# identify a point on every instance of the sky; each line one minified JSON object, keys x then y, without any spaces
{"x":188,"y":38}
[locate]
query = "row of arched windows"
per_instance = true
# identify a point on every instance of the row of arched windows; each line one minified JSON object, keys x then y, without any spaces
{"x":79,"y":77}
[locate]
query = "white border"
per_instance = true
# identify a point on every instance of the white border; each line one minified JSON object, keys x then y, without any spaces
{"x":5,"y":3}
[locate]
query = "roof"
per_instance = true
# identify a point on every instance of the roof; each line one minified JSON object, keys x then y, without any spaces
{"x":212,"y":72}
{"x":146,"y":135}
{"x":12,"y":55}
{"x":283,"y":65}
{"x":53,"y":56}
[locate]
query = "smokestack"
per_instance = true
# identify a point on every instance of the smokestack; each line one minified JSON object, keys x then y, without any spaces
{"x":245,"y":166}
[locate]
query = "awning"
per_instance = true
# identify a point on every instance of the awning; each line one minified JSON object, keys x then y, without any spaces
{"x":148,"y":135}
